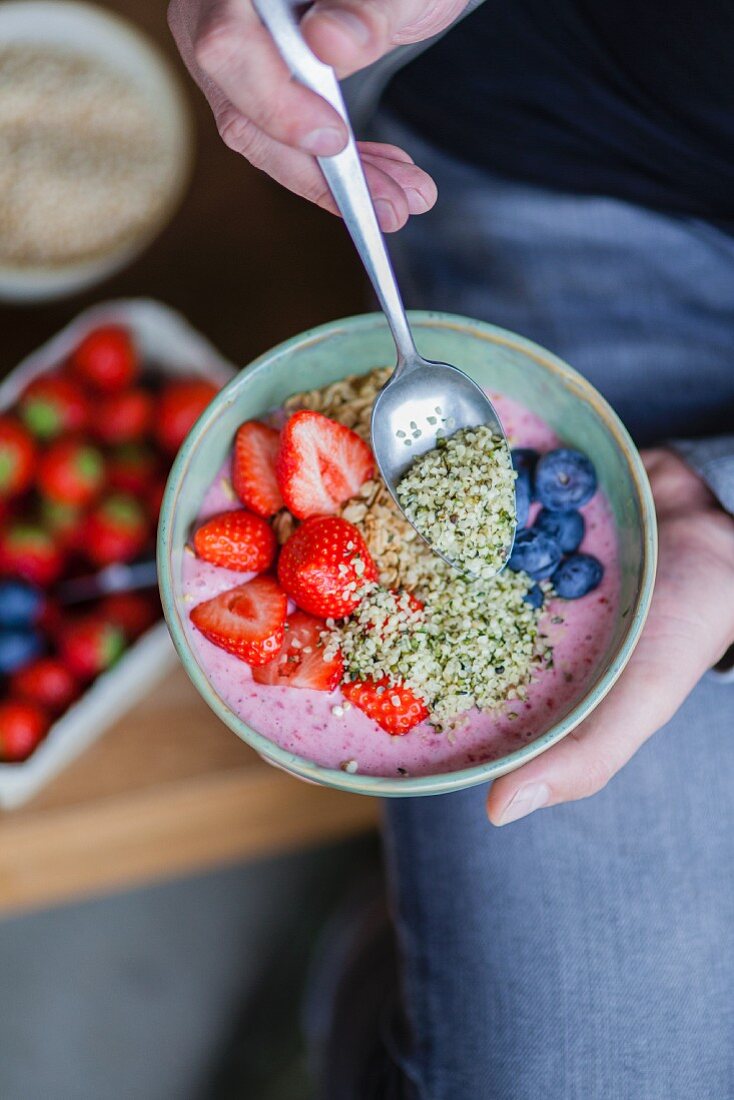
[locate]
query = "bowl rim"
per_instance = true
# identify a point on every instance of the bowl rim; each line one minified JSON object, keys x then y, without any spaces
{"x":36,"y":282}
{"x":442,"y":782}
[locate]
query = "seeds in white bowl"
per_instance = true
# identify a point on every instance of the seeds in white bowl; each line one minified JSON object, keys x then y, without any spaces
{"x":85,"y":163}
{"x":461,"y":497}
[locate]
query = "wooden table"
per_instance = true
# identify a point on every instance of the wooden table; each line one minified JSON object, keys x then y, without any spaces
{"x":169,"y":789}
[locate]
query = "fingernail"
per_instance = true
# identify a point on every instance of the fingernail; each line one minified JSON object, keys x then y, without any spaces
{"x":350,"y":23}
{"x":416,"y":203}
{"x":524,"y":801}
{"x":386,"y":215}
{"x":324,"y":142}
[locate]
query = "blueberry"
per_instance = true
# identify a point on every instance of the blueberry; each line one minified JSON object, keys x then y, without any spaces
{"x":579,"y":574}
{"x":17,"y":649}
{"x":21,"y":603}
{"x":564,"y":479}
{"x":536,"y":553}
{"x":534,"y":596}
{"x":522,"y":499}
{"x":567,"y":528}
{"x":525,"y":459}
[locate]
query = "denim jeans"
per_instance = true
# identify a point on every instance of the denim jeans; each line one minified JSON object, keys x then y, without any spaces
{"x":586,"y":951}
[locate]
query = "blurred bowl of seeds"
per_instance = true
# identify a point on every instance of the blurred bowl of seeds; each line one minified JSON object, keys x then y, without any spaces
{"x":95,"y":146}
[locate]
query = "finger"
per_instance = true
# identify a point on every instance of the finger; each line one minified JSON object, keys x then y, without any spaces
{"x":689,"y":627}
{"x":300,"y":173}
{"x":385,"y":150}
{"x":583,"y":763}
{"x":233,"y":48}
{"x":349,"y":34}
{"x":417,"y":186}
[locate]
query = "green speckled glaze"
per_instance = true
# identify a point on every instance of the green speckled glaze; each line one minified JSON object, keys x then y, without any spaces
{"x":496,"y":359}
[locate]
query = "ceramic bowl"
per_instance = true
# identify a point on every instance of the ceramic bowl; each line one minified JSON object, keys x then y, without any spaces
{"x":498,"y":360}
{"x":90,"y":30}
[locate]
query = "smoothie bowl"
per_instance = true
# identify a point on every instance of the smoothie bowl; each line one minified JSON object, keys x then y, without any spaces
{"x":319,"y":626}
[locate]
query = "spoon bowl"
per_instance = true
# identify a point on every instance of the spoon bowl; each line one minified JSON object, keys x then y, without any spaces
{"x":405,"y":422}
{"x":421,"y":403}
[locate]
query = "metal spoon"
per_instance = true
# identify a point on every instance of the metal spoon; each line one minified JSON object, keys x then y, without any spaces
{"x":422,"y":399}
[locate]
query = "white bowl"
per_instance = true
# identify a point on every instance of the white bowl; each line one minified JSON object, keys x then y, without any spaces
{"x":86,"y":29}
{"x":164,"y":338}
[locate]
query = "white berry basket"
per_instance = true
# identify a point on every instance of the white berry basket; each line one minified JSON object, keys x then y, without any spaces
{"x":165,"y":339}
{"x":85,"y":29}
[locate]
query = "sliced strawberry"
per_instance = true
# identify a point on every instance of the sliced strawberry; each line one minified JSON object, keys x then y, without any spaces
{"x":247,"y":621}
{"x":394,"y":707}
{"x":256,"y":449}
{"x":324,"y":565}
{"x":301,"y":663}
{"x":320,"y":464}
{"x":236,"y":540}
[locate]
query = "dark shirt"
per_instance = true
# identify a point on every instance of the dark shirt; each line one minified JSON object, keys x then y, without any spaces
{"x":627,"y":98}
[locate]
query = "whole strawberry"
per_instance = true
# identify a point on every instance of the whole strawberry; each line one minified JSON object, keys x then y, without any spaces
{"x":237,"y":540}
{"x":106,"y":359}
{"x":247,"y":621}
{"x":89,"y":645}
{"x":325,"y":565}
{"x":395,"y":707}
{"x":179,"y":407}
{"x":30,"y":551}
{"x":256,"y":448}
{"x":65,"y":522}
{"x":22,"y":726}
{"x":133,"y":612}
{"x":46,"y":682}
{"x":132,"y":468}
{"x":53,"y":404}
{"x":320,"y":464}
{"x":115,"y":530}
{"x":71,"y":472}
{"x":123,"y":417}
{"x":17,"y":457}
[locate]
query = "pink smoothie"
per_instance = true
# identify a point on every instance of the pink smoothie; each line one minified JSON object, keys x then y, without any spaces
{"x":303,"y":721}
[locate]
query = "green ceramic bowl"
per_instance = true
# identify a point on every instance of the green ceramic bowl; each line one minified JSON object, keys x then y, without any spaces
{"x":496,"y":359}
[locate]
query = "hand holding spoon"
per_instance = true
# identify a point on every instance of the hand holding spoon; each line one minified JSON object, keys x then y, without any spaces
{"x":422,"y":399}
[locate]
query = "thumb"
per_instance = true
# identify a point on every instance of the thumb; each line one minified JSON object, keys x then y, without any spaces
{"x":350,"y":34}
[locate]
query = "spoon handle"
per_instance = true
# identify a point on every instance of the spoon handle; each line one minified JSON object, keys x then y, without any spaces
{"x":342,"y":172}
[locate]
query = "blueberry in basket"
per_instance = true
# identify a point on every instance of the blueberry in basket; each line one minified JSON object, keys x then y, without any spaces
{"x":18,"y":648}
{"x":535,"y":553}
{"x":567,"y":528}
{"x":579,"y":574}
{"x":564,"y":479}
{"x":21,"y":603}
